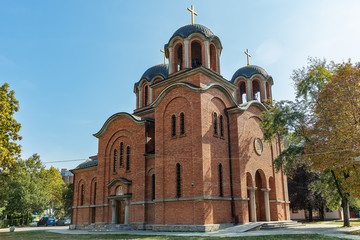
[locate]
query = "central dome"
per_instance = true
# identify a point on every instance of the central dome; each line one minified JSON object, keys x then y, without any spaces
{"x":186,"y":30}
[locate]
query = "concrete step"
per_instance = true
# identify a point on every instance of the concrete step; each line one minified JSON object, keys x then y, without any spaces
{"x":109,"y":228}
{"x":243,"y":228}
{"x":280,"y":224}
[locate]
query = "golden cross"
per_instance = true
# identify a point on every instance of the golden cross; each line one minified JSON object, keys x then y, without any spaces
{"x":164,"y":55}
{"x":192,"y":13}
{"x":248,"y":55}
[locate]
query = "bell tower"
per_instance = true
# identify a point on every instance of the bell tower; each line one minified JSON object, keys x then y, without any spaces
{"x":192,"y":46}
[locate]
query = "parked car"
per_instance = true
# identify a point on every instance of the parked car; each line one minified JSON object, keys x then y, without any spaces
{"x":46,"y":221}
{"x":63,"y":221}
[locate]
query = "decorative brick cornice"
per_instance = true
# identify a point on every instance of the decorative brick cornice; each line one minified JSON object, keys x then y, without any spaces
{"x":136,"y":119}
{"x":194,"y":88}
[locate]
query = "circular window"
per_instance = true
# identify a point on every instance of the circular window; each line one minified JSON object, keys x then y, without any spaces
{"x":258,"y":146}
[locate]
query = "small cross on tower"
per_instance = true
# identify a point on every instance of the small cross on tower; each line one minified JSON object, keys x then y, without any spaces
{"x":247,"y":55}
{"x":192,"y":13}
{"x":164,"y":55}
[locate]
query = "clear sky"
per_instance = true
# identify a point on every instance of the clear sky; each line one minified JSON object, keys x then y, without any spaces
{"x":73,"y":63}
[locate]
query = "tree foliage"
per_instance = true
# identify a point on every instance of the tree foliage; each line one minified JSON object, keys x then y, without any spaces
{"x":26,"y":186}
{"x":31,"y":187}
{"x":322,"y":128}
{"x":9,"y":129}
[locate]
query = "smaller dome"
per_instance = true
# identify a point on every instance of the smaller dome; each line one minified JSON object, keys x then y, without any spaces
{"x":249,"y":71}
{"x":87,"y":163}
{"x":157,"y":70}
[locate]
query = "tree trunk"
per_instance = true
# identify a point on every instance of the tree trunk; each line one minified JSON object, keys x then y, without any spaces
{"x":345,"y":206}
{"x":322,"y":213}
{"x":310,"y":214}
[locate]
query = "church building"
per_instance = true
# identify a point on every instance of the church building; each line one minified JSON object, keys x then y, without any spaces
{"x":191,"y":157}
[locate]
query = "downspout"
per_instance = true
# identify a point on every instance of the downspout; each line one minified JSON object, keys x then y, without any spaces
{"x":230,"y":170}
{"x":72,"y":209}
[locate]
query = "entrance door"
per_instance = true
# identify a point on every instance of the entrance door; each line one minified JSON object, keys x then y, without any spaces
{"x":93,"y":214}
{"x":120,"y":206}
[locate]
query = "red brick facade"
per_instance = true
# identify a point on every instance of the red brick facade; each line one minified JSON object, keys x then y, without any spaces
{"x":191,"y":153}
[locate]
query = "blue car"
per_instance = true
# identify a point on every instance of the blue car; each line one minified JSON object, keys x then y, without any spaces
{"x":47,"y":221}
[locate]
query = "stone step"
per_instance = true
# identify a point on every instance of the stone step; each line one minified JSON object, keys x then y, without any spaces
{"x":109,"y":228}
{"x":280,"y":224}
{"x":242,"y":228}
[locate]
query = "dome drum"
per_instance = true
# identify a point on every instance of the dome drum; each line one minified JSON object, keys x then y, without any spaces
{"x":192,"y":46}
{"x":254,"y":83}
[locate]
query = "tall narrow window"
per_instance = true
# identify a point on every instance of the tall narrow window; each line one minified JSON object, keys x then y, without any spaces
{"x":182,"y":123}
{"x":173,"y":125}
{"x":94,"y":193}
{"x":196,"y":52}
{"x":153,"y":186}
{"x":146,"y":95}
{"x":178,"y":180}
{"x":82,"y":195}
{"x":215,"y":124}
{"x":242,"y":89}
{"x":115,"y":159}
{"x":121,"y":154}
{"x":128,"y":158}
{"x":221,"y":126}
{"x":221,"y":193}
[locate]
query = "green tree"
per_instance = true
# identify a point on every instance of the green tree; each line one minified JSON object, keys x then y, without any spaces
{"x":32,"y":187}
{"x":9,"y":149}
{"x":9,"y":129}
{"x":322,"y":126}
{"x":335,"y":131}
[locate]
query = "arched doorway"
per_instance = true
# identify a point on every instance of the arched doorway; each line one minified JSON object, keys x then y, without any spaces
{"x":260,"y":183}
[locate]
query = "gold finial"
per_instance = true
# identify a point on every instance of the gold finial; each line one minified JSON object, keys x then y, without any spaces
{"x":192,"y":13}
{"x":164,"y":55}
{"x":247,"y":55}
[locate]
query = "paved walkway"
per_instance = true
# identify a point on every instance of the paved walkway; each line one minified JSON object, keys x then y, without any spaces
{"x":326,"y":229}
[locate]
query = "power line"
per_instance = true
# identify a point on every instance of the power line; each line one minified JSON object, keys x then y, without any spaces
{"x":73,"y":160}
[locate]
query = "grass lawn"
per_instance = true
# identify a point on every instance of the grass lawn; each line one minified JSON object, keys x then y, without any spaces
{"x":48,"y":236}
{"x":353,"y":222}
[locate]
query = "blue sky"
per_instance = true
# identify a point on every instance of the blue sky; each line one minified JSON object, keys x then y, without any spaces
{"x":73,"y":63}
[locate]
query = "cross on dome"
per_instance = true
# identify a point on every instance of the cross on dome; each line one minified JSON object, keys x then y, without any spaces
{"x":164,"y":55}
{"x":192,"y":13}
{"x":247,"y":55}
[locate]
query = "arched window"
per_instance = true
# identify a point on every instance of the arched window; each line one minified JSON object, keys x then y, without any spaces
{"x":178,"y":180}
{"x":115,"y":159}
{"x":215,"y":124}
{"x":182,"y":123}
{"x":178,"y":57}
{"x":256,"y":90}
{"x":82,"y":195}
{"x":268,"y":95}
{"x":153,"y":186}
{"x":173,"y":125}
{"x":146,"y":96}
{"x":213,"y":62}
{"x":221,"y":193}
{"x":196,"y":54}
{"x":242,"y":90}
{"x":221,"y":126}
{"x":94,"y":193}
{"x":121,"y":154}
{"x":128,"y":158}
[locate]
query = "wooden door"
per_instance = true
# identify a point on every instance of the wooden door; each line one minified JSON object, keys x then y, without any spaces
{"x":120,"y":212}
